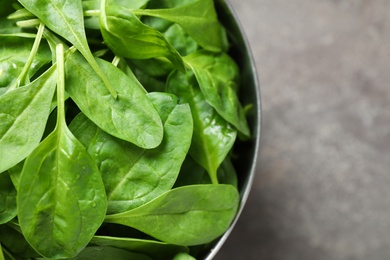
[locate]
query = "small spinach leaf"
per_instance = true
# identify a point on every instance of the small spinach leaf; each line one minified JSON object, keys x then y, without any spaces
{"x":218,"y":75}
{"x":106,"y":252}
{"x":7,"y":198}
{"x":198,"y":18}
{"x":183,"y":256}
{"x":182,"y":216}
{"x":61,"y":198}
{"x":130,"y":117}
{"x":154,"y":249}
{"x":128,"y":37}
{"x":23,"y":115}
{"x":213,"y":137}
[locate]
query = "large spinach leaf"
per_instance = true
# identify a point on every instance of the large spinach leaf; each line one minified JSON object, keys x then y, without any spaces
{"x":23,"y":115}
{"x":132,"y":175}
{"x":188,"y":215}
{"x":131,"y":117}
{"x":61,"y":198}
{"x":213,"y":137}
{"x":66,"y":19}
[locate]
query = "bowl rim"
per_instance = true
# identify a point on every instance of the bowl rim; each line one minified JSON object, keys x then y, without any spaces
{"x":247,"y":186}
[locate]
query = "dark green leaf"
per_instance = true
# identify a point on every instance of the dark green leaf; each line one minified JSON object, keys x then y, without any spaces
{"x":189,"y":215}
{"x":7,"y":198}
{"x":217,"y":75}
{"x":198,"y":18}
{"x":154,"y":249}
{"x":23,"y":115}
{"x":130,"y":117}
{"x":213,"y":137}
{"x":128,"y":37}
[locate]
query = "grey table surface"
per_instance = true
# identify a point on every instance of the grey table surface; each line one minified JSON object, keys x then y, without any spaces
{"x":321,"y":189}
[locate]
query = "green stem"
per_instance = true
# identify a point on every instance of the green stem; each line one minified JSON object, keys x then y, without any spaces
{"x":60,"y":85}
{"x":24,"y":75}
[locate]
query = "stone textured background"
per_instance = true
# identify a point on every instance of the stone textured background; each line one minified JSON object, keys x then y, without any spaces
{"x":322,"y":187}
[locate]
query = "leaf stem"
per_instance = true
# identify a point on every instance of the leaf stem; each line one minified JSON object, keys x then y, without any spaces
{"x":28,"y":23}
{"x":60,"y":84}
{"x":23,"y":77}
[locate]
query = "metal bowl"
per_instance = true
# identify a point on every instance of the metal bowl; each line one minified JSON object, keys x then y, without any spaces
{"x":247,"y":151}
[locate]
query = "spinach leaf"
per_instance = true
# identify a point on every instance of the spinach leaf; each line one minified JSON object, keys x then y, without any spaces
{"x":132,"y":175}
{"x":188,"y":215}
{"x":218,"y":77}
{"x":15,"y":243}
{"x":66,"y":19}
{"x":61,"y":198}
{"x":183,"y":256}
{"x":15,"y":52}
{"x":130,"y":117}
{"x":106,"y":252}
{"x":7,"y":198}
{"x":180,"y":40}
{"x":198,"y":18}
{"x":154,"y":249}
{"x":213,"y":137}
{"x":128,"y":37}
{"x":23,"y":115}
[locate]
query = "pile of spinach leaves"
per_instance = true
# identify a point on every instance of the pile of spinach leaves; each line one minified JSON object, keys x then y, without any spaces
{"x":117,"y":122}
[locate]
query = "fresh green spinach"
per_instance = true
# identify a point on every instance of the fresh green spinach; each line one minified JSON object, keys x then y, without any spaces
{"x":118,"y":121}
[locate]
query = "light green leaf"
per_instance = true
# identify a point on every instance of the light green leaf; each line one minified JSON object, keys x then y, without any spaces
{"x":23,"y":115}
{"x":130,"y":117}
{"x":188,"y":215}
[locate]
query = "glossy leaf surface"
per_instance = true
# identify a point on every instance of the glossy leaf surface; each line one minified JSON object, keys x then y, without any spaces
{"x":128,"y":37}
{"x":132,"y":175}
{"x":218,"y":77}
{"x":188,"y":215}
{"x":23,"y":115}
{"x":213,"y":137}
{"x":106,"y":252}
{"x":130,"y":117}
{"x":61,"y":198}
{"x":198,"y":18}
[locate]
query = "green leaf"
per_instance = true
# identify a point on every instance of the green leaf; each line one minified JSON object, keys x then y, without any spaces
{"x":130,"y":117}
{"x":189,"y":215}
{"x":218,"y":75}
{"x":198,"y":18}
{"x":66,"y":19}
{"x":128,"y":37}
{"x":16,"y":243}
{"x":132,"y":175}
{"x":183,"y":256}
{"x":61,"y":198}
{"x":154,"y":249}
{"x":15,"y":52}
{"x":7,"y":198}
{"x":23,"y":115}
{"x":213,"y":137}
{"x":106,"y":252}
